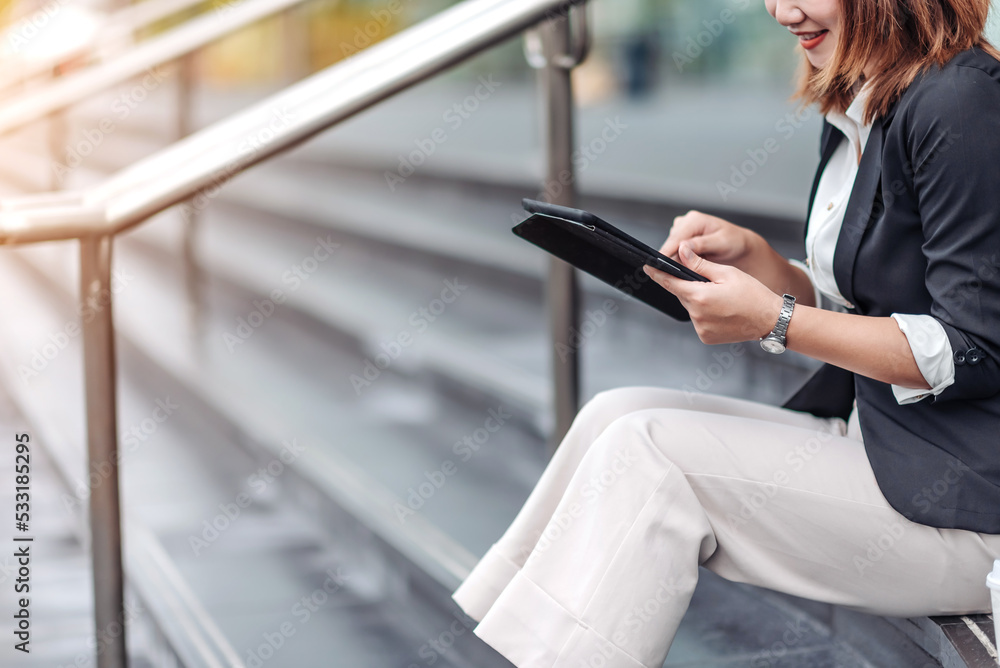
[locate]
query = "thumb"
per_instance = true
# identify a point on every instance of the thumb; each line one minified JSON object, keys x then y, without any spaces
{"x":709,"y":245}
{"x":695,"y":262}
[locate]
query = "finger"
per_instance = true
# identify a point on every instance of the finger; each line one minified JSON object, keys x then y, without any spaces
{"x":684,"y":227}
{"x":709,"y":245}
{"x":700,"y":265}
{"x":669,"y":247}
{"x":677,"y":286}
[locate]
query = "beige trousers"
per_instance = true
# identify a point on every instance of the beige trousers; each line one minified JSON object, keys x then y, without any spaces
{"x":599,"y":566}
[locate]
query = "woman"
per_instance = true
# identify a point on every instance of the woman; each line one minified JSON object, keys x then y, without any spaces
{"x":885,"y":496}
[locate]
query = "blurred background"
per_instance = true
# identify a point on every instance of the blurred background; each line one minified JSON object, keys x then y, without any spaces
{"x":309,"y":354}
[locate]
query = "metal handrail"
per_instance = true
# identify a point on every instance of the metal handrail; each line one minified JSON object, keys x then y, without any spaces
{"x":66,"y":91}
{"x":172,"y":605}
{"x":107,"y":41}
{"x":205,"y":160}
{"x":210,"y":157}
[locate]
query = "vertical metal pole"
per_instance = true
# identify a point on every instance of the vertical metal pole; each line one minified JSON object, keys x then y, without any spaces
{"x":58,"y":136}
{"x":192,"y":270}
{"x":185,"y":95}
{"x":102,"y":450}
{"x":560,"y":188}
{"x":57,"y":147}
{"x":297,"y":60}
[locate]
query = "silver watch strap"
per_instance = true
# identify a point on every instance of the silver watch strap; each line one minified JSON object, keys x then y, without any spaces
{"x":784,"y":318}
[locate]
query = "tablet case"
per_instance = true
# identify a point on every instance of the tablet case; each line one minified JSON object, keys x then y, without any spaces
{"x":602,"y":255}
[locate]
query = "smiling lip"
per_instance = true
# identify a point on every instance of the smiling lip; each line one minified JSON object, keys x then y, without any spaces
{"x":811,"y":40}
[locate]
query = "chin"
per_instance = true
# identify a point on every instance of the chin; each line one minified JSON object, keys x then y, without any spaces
{"x":819,"y":62}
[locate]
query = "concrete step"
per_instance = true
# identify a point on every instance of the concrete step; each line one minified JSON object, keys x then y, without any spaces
{"x":376,"y":617}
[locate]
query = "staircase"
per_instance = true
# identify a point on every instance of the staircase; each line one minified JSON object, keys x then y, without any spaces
{"x":307,"y":446}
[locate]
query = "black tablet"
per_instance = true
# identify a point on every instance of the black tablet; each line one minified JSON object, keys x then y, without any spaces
{"x":603,"y":251}
{"x":603,"y":228}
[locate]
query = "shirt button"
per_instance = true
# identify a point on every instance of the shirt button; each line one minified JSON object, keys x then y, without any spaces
{"x":829,"y":207}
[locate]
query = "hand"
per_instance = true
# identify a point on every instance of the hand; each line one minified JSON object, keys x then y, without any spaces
{"x":714,"y":239}
{"x":733,"y":307}
{"x":722,"y":242}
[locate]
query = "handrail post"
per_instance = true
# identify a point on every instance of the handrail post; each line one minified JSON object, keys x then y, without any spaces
{"x":295,"y":45}
{"x":102,"y":450}
{"x":186,"y":67}
{"x":57,"y":135}
{"x":556,"y":61}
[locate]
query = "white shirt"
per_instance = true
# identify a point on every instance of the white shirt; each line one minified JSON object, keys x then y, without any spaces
{"x":927,"y":338}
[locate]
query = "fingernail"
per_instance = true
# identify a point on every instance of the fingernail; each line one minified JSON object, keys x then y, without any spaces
{"x":686,"y":252}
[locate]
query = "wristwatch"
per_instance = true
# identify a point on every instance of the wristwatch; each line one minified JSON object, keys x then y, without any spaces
{"x":775,"y":341}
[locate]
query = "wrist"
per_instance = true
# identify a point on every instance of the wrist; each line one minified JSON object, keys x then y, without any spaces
{"x":770,"y":314}
{"x":760,"y":260}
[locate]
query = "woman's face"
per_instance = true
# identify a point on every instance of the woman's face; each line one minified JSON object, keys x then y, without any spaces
{"x":816,"y":24}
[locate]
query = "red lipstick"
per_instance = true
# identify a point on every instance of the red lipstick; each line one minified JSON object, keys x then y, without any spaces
{"x":812,"y":40}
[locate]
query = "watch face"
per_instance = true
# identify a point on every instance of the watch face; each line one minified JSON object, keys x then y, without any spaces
{"x":772,"y":346}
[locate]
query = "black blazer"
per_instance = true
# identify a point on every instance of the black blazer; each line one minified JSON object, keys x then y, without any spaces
{"x":922,"y":235}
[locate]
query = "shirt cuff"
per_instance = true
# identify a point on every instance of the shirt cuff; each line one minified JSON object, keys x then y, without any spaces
{"x":932,"y":351}
{"x":818,"y":295}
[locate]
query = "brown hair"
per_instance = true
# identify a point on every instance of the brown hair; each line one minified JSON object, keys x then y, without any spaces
{"x":898,"y":39}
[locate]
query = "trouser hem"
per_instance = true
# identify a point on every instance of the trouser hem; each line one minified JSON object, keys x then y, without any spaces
{"x":532,"y":630}
{"x":487,"y":580}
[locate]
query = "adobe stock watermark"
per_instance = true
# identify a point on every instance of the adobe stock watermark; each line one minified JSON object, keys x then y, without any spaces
{"x":230,"y":512}
{"x":593,"y":321}
{"x":292,"y":278}
{"x":225,"y":7}
{"x":590,"y":491}
{"x":420,"y":321}
{"x":878,"y":547}
{"x":372,"y":30}
{"x":741,"y":174}
{"x":455,"y":117}
{"x":437,"y":647}
{"x":246,"y":152}
{"x":663,"y":598}
{"x":926,"y":499}
{"x":793,"y":634}
{"x":106,"y":636}
{"x":28,"y":28}
{"x":585,"y":155}
{"x":44,"y":353}
{"x":465,"y":449}
{"x":303,"y":610}
{"x":132,"y":436}
{"x":706,"y":378}
{"x":940,"y":146}
{"x":121,"y":108}
{"x":795,"y":460}
{"x":986,"y":271}
{"x":696,"y":44}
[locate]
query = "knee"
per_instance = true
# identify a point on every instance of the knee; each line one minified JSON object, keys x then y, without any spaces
{"x":606,"y":407}
{"x":597,"y":414}
{"x":625,"y":455}
{"x":660,"y":434}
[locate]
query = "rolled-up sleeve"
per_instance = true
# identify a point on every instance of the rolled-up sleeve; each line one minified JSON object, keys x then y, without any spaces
{"x":955,"y":154}
{"x":817,"y":295}
{"x":931,"y":350}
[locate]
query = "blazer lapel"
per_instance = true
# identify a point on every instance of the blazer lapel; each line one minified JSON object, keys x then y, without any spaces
{"x":829,"y":140}
{"x":861,"y":212}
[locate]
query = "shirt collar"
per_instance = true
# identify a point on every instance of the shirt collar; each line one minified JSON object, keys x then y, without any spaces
{"x":856,"y":110}
{"x":851,"y":121}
